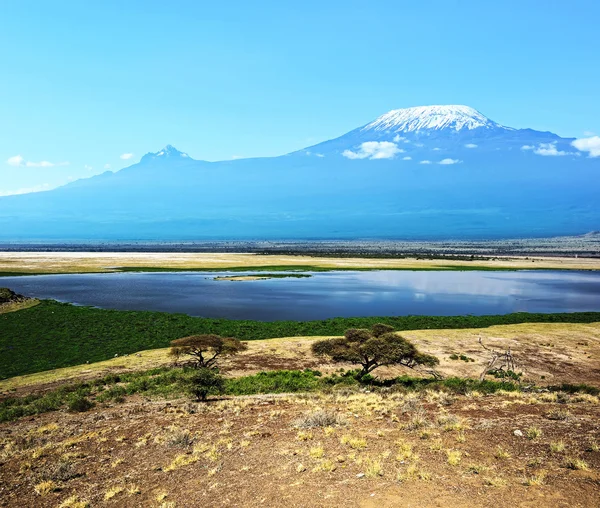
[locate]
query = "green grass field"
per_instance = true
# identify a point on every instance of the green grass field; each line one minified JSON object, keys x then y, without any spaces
{"x":53,"y":335}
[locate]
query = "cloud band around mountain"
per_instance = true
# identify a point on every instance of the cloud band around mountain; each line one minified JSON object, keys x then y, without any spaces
{"x":374,"y":150}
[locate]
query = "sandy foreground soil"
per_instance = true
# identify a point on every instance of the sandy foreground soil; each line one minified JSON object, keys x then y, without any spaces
{"x":69,"y":262}
{"x":367,"y":450}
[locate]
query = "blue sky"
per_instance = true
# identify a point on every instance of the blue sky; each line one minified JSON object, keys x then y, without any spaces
{"x":85,"y":83}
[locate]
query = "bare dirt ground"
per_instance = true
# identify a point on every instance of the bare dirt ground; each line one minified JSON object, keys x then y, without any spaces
{"x":547,"y":353}
{"x":374,"y":450}
{"x":386,"y":448}
{"x":69,"y":262}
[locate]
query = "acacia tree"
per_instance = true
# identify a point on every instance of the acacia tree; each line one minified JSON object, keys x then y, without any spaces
{"x":373,"y":348}
{"x":205,"y":350}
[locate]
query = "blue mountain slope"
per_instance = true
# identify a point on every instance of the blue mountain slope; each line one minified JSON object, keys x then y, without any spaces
{"x":428,"y":173}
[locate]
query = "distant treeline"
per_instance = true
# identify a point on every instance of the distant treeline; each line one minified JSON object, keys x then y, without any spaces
{"x":52,"y":334}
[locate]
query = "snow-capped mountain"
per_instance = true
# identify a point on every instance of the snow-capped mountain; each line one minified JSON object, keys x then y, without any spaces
{"x":450,"y":129}
{"x":428,"y":172}
{"x":168,"y":151}
{"x":431,"y":118}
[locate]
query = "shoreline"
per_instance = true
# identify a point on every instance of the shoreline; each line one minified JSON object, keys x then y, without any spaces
{"x":38,"y":263}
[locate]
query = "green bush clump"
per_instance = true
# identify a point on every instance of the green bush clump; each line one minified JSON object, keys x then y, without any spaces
{"x":79,"y":403}
{"x":279,"y":381}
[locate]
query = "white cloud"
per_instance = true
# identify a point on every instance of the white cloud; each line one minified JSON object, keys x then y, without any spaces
{"x":590,"y":145}
{"x":126,"y":156}
{"x":407,"y":158}
{"x":546,"y":149}
{"x":374,"y":150}
{"x":16,"y":161}
{"x":589,"y":133}
{"x":470,"y":145}
{"x":106,"y":166}
{"x":19,"y":162}
{"x":37,"y":188}
{"x":398,"y":138}
{"x":446,"y":162}
{"x":436,"y":149}
{"x":87,"y":168}
{"x":319,"y":155}
{"x":425,"y":162}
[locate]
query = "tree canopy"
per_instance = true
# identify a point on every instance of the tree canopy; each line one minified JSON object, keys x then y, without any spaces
{"x":372,"y":348}
{"x":205,"y":350}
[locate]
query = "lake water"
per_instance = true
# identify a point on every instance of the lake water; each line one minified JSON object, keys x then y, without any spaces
{"x":324,"y":295}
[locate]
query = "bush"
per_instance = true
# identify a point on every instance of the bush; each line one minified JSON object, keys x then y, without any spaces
{"x":79,"y":404}
{"x":279,"y":381}
{"x":319,"y":419}
{"x":204,"y":382}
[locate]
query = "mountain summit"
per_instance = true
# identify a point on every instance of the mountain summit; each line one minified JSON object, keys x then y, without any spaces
{"x":431,"y":117}
{"x":168,"y":151}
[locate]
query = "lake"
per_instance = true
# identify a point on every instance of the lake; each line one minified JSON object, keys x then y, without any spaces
{"x":324,"y":294}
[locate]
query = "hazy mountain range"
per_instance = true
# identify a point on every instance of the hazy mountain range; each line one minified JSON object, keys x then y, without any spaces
{"x":433,"y":172}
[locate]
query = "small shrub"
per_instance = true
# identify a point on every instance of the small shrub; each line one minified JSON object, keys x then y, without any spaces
{"x":176,"y":436}
{"x":317,"y":452}
{"x":501,"y":453}
{"x":79,"y":404}
{"x":495,"y":481}
{"x":558,"y":414}
{"x":356,"y":443}
{"x":557,"y":446}
{"x":454,"y":457}
{"x":319,"y":419}
{"x":535,"y":480}
{"x":204,"y":382}
{"x":577,"y":464}
{"x":45,"y":488}
{"x":533,"y":433}
{"x":373,"y":469}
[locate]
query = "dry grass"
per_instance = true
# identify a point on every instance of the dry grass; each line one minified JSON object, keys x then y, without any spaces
{"x":46,"y":487}
{"x":320,"y":418}
{"x":74,"y":502}
{"x":501,"y":453}
{"x":373,"y":469}
{"x":112,"y":492}
{"x":576,"y":463}
{"x":181,"y":461}
{"x":15,"y":306}
{"x":533,"y":433}
{"x":252,"y":441}
{"x":453,"y":457}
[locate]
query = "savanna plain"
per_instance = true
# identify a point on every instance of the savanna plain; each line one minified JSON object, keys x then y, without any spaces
{"x":98,"y":408}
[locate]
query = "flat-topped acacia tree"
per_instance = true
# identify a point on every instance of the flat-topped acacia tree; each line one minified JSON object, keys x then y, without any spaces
{"x":205,"y":350}
{"x":373,"y":348}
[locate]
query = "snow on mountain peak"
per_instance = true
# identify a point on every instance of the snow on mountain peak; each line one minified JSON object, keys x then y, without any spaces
{"x":453,"y":117}
{"x":170,"y":151}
